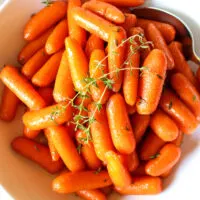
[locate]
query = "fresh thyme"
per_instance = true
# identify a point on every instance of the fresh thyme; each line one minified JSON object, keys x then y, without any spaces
{"x":47,"y":2}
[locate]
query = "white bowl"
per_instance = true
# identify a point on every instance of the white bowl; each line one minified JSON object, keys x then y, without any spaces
{"x":21,"y":179}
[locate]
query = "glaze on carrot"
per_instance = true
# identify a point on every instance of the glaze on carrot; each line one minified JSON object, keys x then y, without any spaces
{"x":91,"y":194}
{"x":125,"y":2}
{"x":130,"y":21}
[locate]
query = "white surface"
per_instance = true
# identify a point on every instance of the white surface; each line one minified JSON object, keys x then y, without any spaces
{"x":21,"y":179}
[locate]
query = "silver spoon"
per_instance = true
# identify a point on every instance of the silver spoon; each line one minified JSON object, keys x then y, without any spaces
{"x":183,"y":29}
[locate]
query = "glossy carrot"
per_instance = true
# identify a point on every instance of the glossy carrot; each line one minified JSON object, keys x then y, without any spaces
{"x":168,"y":156}
{"x":177,"y":110}
{"x":132,"y":161}
{"x":62,"y":92}
{"x":36,"y":152}
{"x":91,"y":194}
{"x":76,"y":58}
{"x":21,"y":88}
{"x":119,"y":124}
{"x":31,"y":134}
{"x":47,"y":94}
{"x":105,"y":10}
{"x":100,"y":132}
{"x":93,"y":42}
{"x":75,"y":181}
{"x":139,"y":124}
{"x":130,"y":109}
{"x":49,"y":116}
{"x":151,"y":82}
{"x":70,"y":126}
{"x":9,"y":104}
{"x":187,"y":92}
{"x":47,"y":74}
{"x":130,"y":21}
{"x":116,"y":54}
{"x":75,"y":31}
{"x":117,"y":171}
{"x":34,"y":63}
{"x":142,"y":185}
{"x":56,"y":40}
{"x":48,"y":16}
{"x":178,"y":141}
{"x":125,"y":2}
{"x":198,"y":74}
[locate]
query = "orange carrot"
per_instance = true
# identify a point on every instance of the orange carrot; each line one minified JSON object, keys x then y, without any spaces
{"x":21,"y":88}
{"x":56,"y":40}
{"x":151,"y":82}
{"x":178,"y":141}
{"x":169,"y":155}
{"x":75,"y":181}
{"x":49,"y":116}
{"x":9,"y":104}
{"x":130,"y":109}
{"x":36,"y":152}
{"x":130,"y":21}
{"x":132,"y":161}
{"x":47,"y":94}
{"x":198,"y":74}
{"x":177,"y":110}
{"x":105,"y":10}
{"x":142,"y":185}
{"x":91,"y":194}
{"x":34,"y":63}
{"x":131,"y":3}
{"x":31,"y":134}
{"x":70,"y":126}
{"x":47,"y":74}
{"x":140,"y":170}
{"x":48,"y":16}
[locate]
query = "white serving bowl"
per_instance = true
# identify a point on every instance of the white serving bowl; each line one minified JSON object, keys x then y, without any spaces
{"x":21,"y":179}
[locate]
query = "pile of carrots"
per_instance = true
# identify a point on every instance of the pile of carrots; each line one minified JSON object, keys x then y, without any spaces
{"x":126,"y":75}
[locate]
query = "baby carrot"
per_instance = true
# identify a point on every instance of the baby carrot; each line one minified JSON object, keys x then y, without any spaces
{"x":9,"y":104}
{"x":142,"y":185}
{"x":130,"y":21}
{"x":198,"y":74}
{"x":91,"y":194}
{"x":125,"y":2}
{"x":34,"y":63}
{"x":177,"y":110}
{"x":47,"y":74}
{"x":49,"y":116}
{"x":56,"y":40}
{"x":139,"y":124}
{"x":76,"y":58}
{"x":47,"y":94}
{"x":130,"y":109}
{"x":31,"y":134}
{"x":75,"y":181}
{"x":116,"y":54}
{"x":62,"y":92}
{"x":178,"y":141}
{"x":75,"y":31}
{"x":163,"y":126}
{"x":21,"y":88}
{"x":48,"y":16}
{"x":132,"y":161}
{"x":119,"y":124}
{"x":105,"y":10}
{"x":168,"y":156}
{"x":187,"y":92}
{"x":153,"y":34}
{"x":140,"y":170}
{"x":70,"y":126}
{"x":151,"y":82}
{"x":94,"y":42}
{"x":36,"y":152}
{"x":116,"y":170}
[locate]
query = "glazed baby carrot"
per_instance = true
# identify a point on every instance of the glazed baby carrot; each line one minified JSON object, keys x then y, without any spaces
{"x":151,"y":82}
{"x":131,"y":161}
{"x":70,"y":126}
{"x":98,"y":66}
{"x":75,"y":31}
{"x":34,"y":63}
{"x":49,"y":116}
{"x":100,"y":132}
{"x":91,"y":194}
{"x":139,"y":124}
{"x":116,"y":170}
{"x":153,"y":34}
{"x":9,"y":104}
{"x":93,"y":42}
{"x":142,"y":185}
{"x":47,"y":74}
{"x":87,"y":151}
{"x":36,"y":152}
{"x":62,"y":92}
{"x":47,"y":94}
{"x":32,"y":47}
{"x":178,"y":141}
{"x":21,"y":88}
{"x":116,"y":54}
{"x":163,"y":126}
{"x":130,"y":109}
{"x":76,"y":58}
{"x":56,"y":40}
{"x":168,"y":156}
{"x":125,"y":2}
{"x":66,"y":148}
{"x":187,"y":92}
{"x":105,"y":10}
{"x":92,"y":23}
{"x":130,"y":21}
{"x":48,"y":16}
{"x":150,"y":146}
{"x":75,"y":181}
{"x":119,"y":124}
{"x":31,"y":134}
{"x":177,"y":110}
